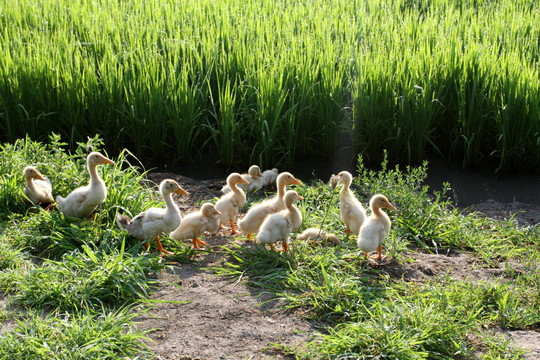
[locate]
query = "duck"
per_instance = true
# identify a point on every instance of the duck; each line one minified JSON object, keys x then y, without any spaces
{"x":317,"y":234}
{"x":277,"y":227}
{"x":352,"y":212}
{"x":230,"y":204}
{"x":253,"y":219}
{"x":254,"y":180}
{"x":196,"y":223}
{"x":38,"y":188}
{"x":82,"y":201}
{"x":376,"y":227}
{"x":154,"y":221}
{"x":269,"y":176}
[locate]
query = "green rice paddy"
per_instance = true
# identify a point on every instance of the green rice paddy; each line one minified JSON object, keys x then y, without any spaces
{"x":273,"y":82}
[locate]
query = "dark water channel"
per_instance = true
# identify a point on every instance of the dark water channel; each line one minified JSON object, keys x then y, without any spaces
{"x":468,"y":187}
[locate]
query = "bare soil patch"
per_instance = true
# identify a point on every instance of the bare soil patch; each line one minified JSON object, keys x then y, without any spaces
{"x":227,"y":319}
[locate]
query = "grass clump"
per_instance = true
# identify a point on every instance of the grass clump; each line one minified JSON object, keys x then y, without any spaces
{"x":76,"y":335}
{"x":76,"y":269}
{"x":88,"y":278}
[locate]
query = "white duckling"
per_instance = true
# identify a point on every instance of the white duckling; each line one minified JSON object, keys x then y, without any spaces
{"x":255,"y":216}
{"x":196,"y":223}
{"x":82,"y":201}
{"x":317,"y":234}
{"x":269,"y":176}
{"x":254,"y":181}
{"x":277,"y":227}
{"x":38,"y":189}
{"x":376,"y":226}
{"x":230,"y":204}
{"x":353,"y":213}
{"x":154,"y":221}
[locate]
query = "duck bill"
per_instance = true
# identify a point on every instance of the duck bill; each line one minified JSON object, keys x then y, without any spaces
{"x":297,"y":182}
{"x":243,"y":181}
{"x":333,"y":181}
{"x":391,"y":207}
{"x":181,"y":191}
{"x":107,"y":161}
{"x":218,"y":212}
{"x":39,"y":177}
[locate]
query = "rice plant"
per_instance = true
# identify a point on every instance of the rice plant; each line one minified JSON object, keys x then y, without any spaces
{"x":274,"y":82}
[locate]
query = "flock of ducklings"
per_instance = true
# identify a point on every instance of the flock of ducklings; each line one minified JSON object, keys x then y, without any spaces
{"x":272,"y":219}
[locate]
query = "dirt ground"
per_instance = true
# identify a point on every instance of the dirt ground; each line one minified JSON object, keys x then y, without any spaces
{"x":226,"y":319}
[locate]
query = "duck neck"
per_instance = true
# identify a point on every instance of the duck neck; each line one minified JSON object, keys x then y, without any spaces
{"x":346,"y":187}
{"x":234,"y":188}
{"x":169,"y":203}
{"x":295,"y":215}
{"x":377,"y":211}
{"x":94,"y":176}
{"x":281,"y":191}
{"x":30,"y":183}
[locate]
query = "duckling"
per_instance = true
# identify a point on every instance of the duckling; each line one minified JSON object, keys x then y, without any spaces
{"x":38,"y":189}
{"x":353,"y":213}
{"x":269,"y":176}
{"x":230,"y":204}
{"x":82,"y":201}
{"x":154,"y":221}
{"x":316,"y":234}
{"x":255,"y":216}
{"x":253,"y":181}
{"x":196,"y":223}
{"x":277,"y":227}
{"x":376,"y":226}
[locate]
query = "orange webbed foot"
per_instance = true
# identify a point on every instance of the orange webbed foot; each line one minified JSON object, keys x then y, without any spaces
{"x":197,"y":243}
{"x":233,"y":230}
{"x":161,"y":249}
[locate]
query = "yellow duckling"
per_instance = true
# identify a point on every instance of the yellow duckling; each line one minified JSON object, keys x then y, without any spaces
{"x":353,"y":213}
{"x":316,"y":234}
{"x":254,"y":179}
{"x":82,"y":201}
{"x":376,"y":226}
{"x":38,"y":189}
{"x":277,"y":227}
{"x":230,"y":204}
{"x":196,"y":223}
{"x":269,"y":176}
{"x":154,"y":221}
{"x":255,"y":216}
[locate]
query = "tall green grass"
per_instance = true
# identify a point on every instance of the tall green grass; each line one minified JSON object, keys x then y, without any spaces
{"x":88,"y":275}
{"x":81,"y":271}
{"x":274,"y":82}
